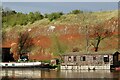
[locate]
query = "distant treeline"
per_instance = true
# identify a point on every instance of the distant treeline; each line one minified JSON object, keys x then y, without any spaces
{"x":12,"y":18}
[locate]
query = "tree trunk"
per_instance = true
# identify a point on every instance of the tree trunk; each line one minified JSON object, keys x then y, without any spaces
{"x":97,"y":44}
{"x":96,"y":49}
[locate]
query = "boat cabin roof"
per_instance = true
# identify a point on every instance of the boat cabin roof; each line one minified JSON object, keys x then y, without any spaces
{"x":89,"y":53}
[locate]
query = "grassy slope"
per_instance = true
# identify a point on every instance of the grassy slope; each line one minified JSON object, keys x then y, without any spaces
{"x":45,"y":41}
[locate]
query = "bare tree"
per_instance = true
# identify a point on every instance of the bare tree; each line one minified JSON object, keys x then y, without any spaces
{"x":99,"y":33}
{"x":86,"y":22}
{"x":24,"y":42}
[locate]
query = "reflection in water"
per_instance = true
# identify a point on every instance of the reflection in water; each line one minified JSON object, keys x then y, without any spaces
{"x":90,"y":74}
{"x":38,"y":73}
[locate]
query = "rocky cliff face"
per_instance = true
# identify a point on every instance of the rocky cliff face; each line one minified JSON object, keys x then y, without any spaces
{"x":71,"y":32}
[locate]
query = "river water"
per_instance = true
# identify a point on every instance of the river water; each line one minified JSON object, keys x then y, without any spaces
{"x":39,"y":73}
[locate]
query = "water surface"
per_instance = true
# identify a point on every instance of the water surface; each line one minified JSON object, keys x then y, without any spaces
{"x":45,"y":73}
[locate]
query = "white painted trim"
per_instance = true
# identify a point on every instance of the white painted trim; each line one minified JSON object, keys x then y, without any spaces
{"x":21,"y":64}
{"x":105,"y":67}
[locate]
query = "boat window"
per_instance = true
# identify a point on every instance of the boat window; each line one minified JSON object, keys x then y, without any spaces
{"x":106,"y":58}
{"x":82,"y":58}
{"x":75,"y":58}
{"x":6,"y":64}
{"x":94,"y":57}
{"x":13,"y":64}
{"x":69,"y":58}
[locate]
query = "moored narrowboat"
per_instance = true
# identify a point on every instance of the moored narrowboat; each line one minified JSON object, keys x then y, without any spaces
{"x":27,"y":65}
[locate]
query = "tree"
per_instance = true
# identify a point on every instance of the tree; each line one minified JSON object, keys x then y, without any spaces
{"x":34,"y":16}
{"x":54,"y":16}
{"x":30,"y":17}
{"x":8,"y":11}
{"x":46,"y":15}
{"x":86,"y":21}
{"x":24,"y":42}
{"x":99,"y":34}
{"x":38,"y":16}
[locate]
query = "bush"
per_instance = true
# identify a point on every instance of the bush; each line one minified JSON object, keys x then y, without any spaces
{"x":76,"y":12}
{"x":54,"y":16}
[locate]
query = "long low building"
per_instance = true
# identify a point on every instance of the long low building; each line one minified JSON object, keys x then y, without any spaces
{"x":92,"y":60}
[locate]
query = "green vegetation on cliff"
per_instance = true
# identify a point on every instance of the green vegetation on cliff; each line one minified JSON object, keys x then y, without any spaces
{"x":57,"y":33}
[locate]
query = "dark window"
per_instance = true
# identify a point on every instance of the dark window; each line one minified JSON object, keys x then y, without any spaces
{"x":106,"y":58}
{"x":94,"y":57}
{"x":13,"y":64}
{"x":82,"y":58}
{"x":6,"y":64}
{"x":75,"y":58}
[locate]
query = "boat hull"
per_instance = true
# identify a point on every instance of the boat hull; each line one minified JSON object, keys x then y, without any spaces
{"x":27,"y":65}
